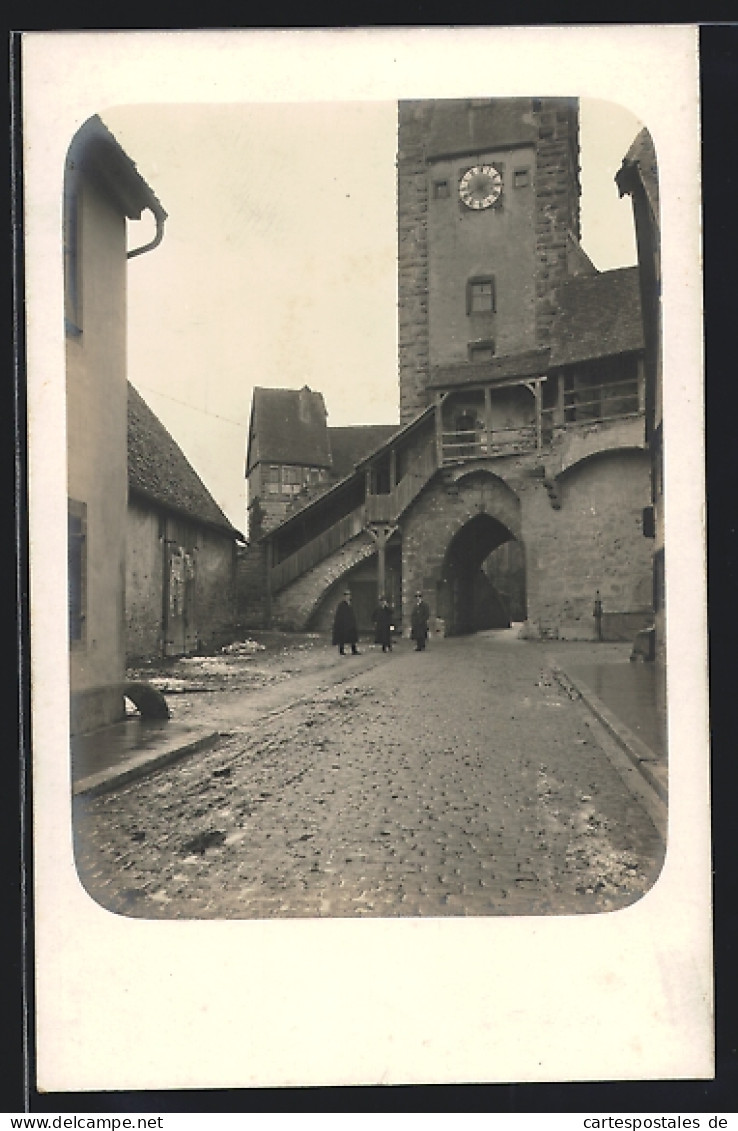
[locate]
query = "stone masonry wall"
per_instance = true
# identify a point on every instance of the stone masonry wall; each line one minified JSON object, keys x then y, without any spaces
{"x":593,"y":541}
{"x":556,"y":215}
{"x":293,"y":606}
{"x":251,"y":586}
{"x":437,"y":515}
{"x":412,"y":236}
{"x":557,"y":202}
{"x":215,"y":588}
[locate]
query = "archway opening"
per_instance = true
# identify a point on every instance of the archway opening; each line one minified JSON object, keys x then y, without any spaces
{"x":483,"y":579}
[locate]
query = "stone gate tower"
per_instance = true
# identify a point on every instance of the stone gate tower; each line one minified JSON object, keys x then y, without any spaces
{"x":530,"y":361}
{"x":515,"y":488}
{"x":488,"y":207}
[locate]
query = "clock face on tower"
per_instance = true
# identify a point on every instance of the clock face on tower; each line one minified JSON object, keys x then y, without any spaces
{"x":480,"y":186}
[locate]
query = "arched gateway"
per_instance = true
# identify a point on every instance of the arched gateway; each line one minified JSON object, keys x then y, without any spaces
{"x":462,"y":547}
{"x":476,"y":592}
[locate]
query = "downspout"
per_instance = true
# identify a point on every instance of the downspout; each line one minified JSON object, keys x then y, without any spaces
{"x":160,"y":216}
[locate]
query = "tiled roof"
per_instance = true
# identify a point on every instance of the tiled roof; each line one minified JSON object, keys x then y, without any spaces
{"x":530,"y":363}
{"x":598,"y":316}
{"x":351,"y":444}
{"x":159,"y":470}
{"x":288,"y":426}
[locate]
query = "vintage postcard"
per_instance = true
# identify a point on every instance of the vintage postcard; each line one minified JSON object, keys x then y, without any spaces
{"x":368,"y":599}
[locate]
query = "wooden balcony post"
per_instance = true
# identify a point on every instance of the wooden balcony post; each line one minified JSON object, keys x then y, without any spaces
{"x":487,"y":420}
{"x":439,"y":428}
{"x":381,"y":536}
{"x":641,"y":385}
{"x":559,"y":415}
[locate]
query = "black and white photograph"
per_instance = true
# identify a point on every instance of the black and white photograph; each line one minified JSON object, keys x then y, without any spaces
{"x":366,"y":523}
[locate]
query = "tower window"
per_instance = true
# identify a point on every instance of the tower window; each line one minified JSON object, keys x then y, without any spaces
{"x":291,"y":480}
{"x":440,"y":190}
{"x":481,"y":351}
{"x":521,"y":178}
{"x":480,"y":295}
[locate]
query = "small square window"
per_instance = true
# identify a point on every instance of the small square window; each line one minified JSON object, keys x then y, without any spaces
{"x":481,"y":351}
{"x":480,"y":295}
{"x":521,"y":178}
{"x":440,"y":190}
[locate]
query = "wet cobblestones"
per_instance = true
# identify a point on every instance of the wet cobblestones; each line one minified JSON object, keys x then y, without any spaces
{"x":463,"y":781}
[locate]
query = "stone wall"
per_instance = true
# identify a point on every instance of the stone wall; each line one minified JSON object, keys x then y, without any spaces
{"x":557,"y":203}
{"x":252,"y":603}
{"x":593,"y":539}
{"x":215,"y":588}
{"x":439,"y":514}
{"x":412,"y":251}
{"x":213,"y":609}
{"x":293,"y":606}
{"x":144,"y":582}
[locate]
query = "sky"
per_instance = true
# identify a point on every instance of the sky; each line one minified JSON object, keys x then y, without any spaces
{"x":278,"y":263}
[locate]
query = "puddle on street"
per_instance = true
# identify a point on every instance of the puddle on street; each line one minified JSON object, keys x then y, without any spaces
{"x":635,"y":693}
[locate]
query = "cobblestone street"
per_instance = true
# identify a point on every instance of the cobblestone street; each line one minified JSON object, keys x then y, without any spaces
{"x":461,"y":781}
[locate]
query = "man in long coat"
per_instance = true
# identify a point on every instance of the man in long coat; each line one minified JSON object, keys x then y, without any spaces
{"x":345,"y":630}
{"x":419,"y":622}
{"x":383,"y":616}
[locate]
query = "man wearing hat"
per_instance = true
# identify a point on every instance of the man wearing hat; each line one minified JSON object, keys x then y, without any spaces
{"x":383,"y":616}
{"x":345,"y":630}
{"x":419,"y":622}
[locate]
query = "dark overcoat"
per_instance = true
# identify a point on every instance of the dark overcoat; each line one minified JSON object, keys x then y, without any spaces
{"x":383,"y":617}
{"x":345,"y":630}
{"x":419,"y":621}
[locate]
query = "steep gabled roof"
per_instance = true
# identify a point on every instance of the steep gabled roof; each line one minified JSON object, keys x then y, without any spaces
{"x":288,"y":426}
{"x":159,"y":470}
{"x":598,"y":316}
{"x":529,"y":363}
{"x":352,"y":443}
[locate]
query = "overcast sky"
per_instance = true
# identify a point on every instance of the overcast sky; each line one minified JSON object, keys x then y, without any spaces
{"x":278,"y":264}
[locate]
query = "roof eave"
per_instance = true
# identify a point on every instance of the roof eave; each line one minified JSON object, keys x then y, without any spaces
{"x":181,"y":512}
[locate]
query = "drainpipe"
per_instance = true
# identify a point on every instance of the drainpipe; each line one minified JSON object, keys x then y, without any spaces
{"x":160,"y":216}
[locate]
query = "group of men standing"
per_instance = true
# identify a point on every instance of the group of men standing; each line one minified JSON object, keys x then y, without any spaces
{"x":346,"y":631}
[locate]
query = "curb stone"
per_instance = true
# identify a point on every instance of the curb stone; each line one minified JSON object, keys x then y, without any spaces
{"x":136,"y":768}
{"x":641,"y":757}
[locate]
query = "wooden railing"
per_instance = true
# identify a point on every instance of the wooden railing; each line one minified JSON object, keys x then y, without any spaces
{"x":377,"y":508}
{"x":610,"y":401}
{"x":388,"y":508}
{"x":480,"y":444}
{"x":317,"y":549}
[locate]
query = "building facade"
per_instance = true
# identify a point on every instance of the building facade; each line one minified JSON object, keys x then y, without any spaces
{"x":522,"y":400}
{"x":638,"y":178}
{"x":293,"y":456}
{"x":102,"y":192}
{"x":180,"y":549}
